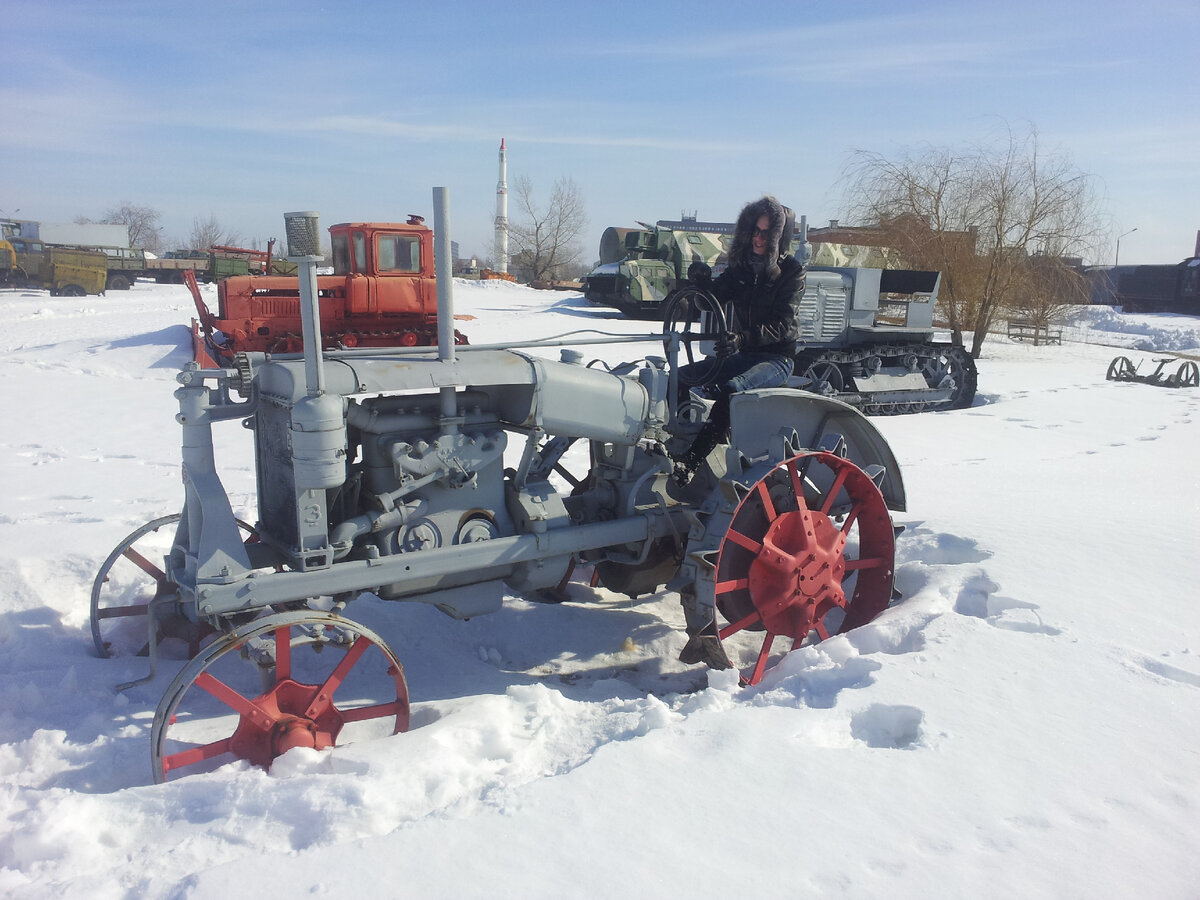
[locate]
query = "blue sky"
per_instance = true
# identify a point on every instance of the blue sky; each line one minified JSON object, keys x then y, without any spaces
{"x":358,"y":109}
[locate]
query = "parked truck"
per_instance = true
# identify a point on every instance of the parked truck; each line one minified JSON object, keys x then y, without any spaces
{"x":124,"y":265}
{"x":63,"y":271}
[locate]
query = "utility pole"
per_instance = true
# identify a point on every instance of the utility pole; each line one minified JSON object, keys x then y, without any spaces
{"x":1117,"y":258}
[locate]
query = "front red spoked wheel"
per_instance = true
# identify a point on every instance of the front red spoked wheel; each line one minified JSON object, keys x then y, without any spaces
{"x":295,"y":679}
{"x":810,"y":552}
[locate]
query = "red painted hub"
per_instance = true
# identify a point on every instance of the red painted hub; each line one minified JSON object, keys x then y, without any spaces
{"x":786,"y":561}
{"x":288,"y":715}
{"x":797,"y":576}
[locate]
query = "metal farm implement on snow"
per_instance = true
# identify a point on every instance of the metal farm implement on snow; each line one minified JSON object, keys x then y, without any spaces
{"x":382,"y":470}
{"x":1187,"y":375}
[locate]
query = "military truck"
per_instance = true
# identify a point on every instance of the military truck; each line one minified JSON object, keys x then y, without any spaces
{"x":69,"y":272}
{"x":640,"y":267}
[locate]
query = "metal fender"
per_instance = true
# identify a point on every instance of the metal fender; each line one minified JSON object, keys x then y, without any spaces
{"x":767,"y":422}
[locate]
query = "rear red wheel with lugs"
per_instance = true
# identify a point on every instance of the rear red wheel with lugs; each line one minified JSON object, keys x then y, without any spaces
{"x":810,"y":552}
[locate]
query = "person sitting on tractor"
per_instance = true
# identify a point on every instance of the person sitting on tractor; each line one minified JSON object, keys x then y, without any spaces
{"x":760,"y":292}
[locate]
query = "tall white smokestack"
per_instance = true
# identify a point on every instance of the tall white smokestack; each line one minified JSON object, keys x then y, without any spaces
{"x":501,"y":254}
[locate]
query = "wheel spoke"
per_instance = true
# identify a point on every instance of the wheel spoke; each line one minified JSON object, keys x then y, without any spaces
{"x":764,"y":495}
{"x":231,"y":698}
{"x":283,"y":653}
{"x":144,"y":564}
{"x":196,"y":754}
{"x":378,"y":711}
{"x":851,"y":517}
{"x":743,"y":540}
{"x":738,"y":584}
{"x":797,"y":480}
{"x":740,"y":624}
{"x":760,"y":664}
{"x":325,"y":695}
{"x":853,"y":565}
{"x":117,"y":612}
{"x":834,"y":489}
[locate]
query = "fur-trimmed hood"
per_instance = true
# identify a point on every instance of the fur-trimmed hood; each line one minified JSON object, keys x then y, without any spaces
{"x":780,"y":218}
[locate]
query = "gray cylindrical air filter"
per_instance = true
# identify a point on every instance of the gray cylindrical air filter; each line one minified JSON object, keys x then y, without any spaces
{"x":303,"y":234}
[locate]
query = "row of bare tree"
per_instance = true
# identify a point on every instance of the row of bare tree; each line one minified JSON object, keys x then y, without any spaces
{"x":544,"y":240}
{"x":145,"y":229}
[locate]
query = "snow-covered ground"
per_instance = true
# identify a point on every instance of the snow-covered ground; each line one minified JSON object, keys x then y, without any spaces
{"x":1024,"y":723}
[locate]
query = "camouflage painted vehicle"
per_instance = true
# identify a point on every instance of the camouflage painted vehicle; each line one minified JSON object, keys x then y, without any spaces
{"x":640,"y":267}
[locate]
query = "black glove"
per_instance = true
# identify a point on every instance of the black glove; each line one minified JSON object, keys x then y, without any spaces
{"x":730,"y":344}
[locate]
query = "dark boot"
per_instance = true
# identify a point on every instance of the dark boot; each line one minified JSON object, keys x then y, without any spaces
{"x":705,"y":647}
{"x":712,"y":433}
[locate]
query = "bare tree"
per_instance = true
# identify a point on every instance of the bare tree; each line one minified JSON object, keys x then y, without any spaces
{"x":1052,"y":286}
{"x":208,"y":232}
{"x":141,"y":221}
{"x":544,"y":240}
{"x":978,"y":216}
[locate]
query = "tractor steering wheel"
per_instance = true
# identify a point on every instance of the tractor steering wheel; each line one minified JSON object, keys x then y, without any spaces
{"x":683,"y":309}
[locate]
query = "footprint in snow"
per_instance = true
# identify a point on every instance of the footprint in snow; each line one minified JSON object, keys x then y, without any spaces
{"x":1163,"y":670}
{"x":978,"y":599}
{"x":887,"y":727}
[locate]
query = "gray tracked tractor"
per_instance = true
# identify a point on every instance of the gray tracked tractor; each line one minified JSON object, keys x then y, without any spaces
{"x":867,"y":335}
{"x":383,"y":471}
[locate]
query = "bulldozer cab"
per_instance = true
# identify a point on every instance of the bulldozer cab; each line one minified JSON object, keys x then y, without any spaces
{"x":383,"y":249}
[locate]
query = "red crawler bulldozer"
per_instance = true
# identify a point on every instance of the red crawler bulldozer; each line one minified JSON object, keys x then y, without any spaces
{"x":382,"y":293}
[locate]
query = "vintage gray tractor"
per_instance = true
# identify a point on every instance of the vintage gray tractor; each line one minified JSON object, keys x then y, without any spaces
{"x":384,"y":471}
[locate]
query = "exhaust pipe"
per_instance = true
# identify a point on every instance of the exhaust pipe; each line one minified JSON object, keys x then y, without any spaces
{"x":443,"y":267}
{"x":304,"y":249}
{"x":318,"y":425}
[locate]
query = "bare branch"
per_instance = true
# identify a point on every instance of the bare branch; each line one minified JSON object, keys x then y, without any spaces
{"x":208,"y":232}
{"x":141,"y":221}
{"x":544,"y":241}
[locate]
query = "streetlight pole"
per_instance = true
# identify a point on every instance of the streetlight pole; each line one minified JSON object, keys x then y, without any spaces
{"x":1117,"y":258}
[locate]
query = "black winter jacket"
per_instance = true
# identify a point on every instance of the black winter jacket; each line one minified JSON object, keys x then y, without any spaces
{"x":763,"y":309}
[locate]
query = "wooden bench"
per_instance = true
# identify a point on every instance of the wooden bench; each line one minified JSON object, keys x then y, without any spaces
{"x":1039,"y":334}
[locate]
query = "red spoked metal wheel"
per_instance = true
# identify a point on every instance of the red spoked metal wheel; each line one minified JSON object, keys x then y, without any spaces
{"x":314,"y":679}
{"x":810,"y":552}
{"x":129,"y":581}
